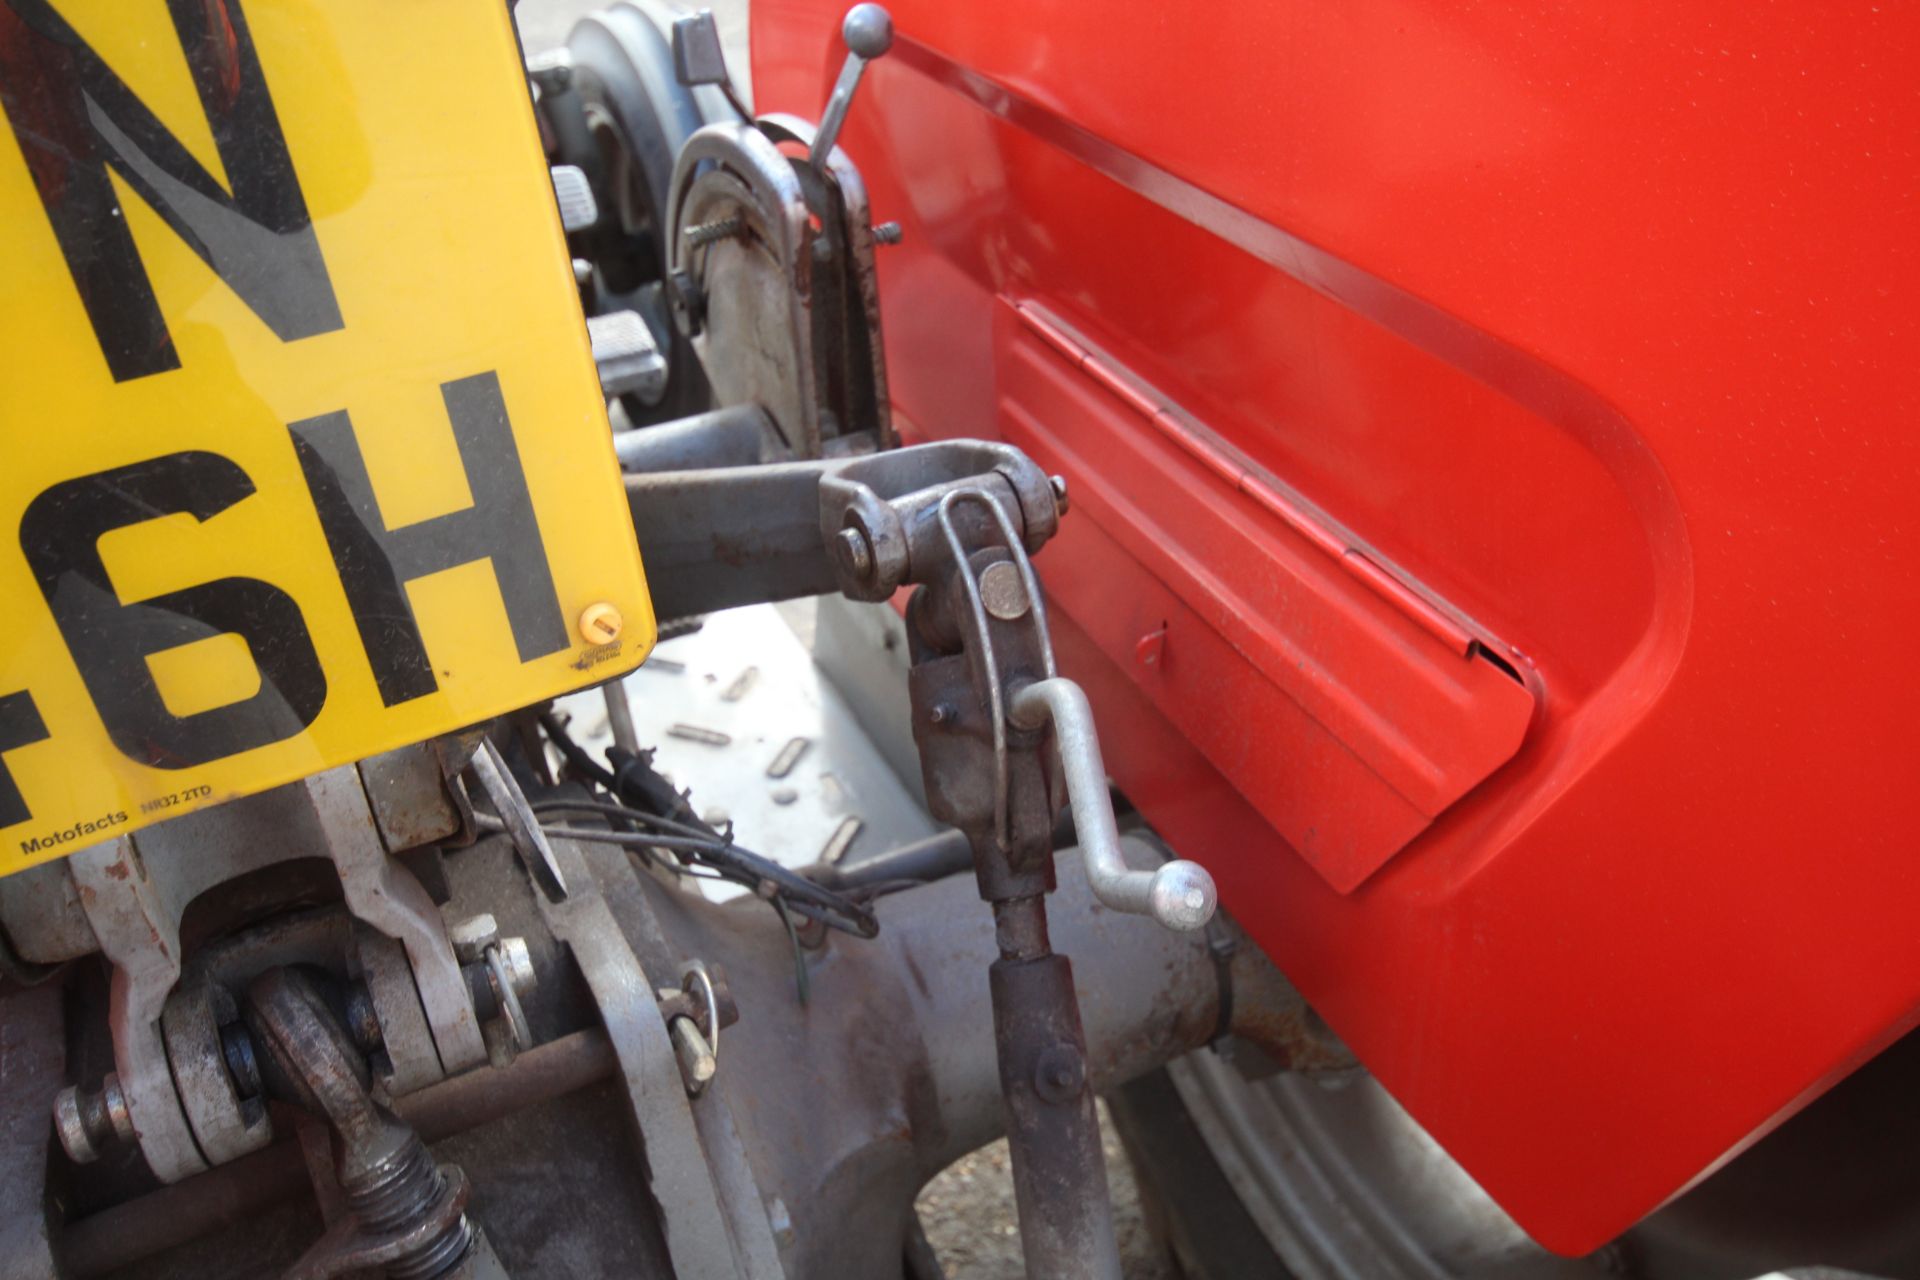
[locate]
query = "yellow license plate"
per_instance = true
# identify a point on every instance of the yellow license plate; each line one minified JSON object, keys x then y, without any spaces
{"x":302,"y":451}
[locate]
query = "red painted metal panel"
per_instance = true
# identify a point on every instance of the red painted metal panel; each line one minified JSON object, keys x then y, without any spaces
{"x":1348,"y":710}
{"x":1592,"y":325}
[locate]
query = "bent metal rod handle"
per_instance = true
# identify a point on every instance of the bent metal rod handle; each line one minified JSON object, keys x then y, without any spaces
{"x":868,"y":32}
{"x":1180,"y":894}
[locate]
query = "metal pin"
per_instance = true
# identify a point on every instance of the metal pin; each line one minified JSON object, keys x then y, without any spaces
{"x":841,"y":840}
{"x":1002,"y":592}
{"x":789,"y":756}
{"x":697,"y":1063}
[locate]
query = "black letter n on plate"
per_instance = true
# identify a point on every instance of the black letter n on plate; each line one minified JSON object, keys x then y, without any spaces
{"x":376,"y":563}
{"x":74,"y":118}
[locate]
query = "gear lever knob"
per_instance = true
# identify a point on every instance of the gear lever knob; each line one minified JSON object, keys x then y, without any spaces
{"x":868,"y":32}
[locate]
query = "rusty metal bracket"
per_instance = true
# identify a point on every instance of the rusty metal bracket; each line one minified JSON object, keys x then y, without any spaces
{"x":720,"y":537}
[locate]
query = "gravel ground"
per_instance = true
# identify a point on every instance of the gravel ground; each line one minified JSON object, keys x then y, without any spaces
{"x":969,"y":1217}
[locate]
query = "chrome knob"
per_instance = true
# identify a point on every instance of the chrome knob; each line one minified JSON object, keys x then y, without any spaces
{"x":1179,"y":894}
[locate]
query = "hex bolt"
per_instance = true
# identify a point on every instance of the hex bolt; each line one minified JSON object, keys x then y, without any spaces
{"x":1059,"y":486}
{"x":88,"y":1121}
{"x":856,"y":555}
{"x":887,"y":233}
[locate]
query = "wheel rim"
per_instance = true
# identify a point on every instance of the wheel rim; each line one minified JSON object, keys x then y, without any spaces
{"x":1345,"y":1186}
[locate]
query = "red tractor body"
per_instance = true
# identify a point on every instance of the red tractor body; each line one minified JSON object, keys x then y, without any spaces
{"x":1491,"y":435}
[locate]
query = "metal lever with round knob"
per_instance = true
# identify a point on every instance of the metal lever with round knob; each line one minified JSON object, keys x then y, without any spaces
{"x":1179,"y":894}
{"x":868,"y":32}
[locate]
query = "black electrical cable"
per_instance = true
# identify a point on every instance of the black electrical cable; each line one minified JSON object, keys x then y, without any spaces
{"x":575,"y":754}
{"x":631,"y":814}
{"x":748,"y":868}
{"x":742,"y":866}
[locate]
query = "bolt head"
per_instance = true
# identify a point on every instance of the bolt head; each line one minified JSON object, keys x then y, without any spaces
{"x":600,"y":623}
{"x":868,"y":31}
{"x":1182,"y":896}
{"x":1059,"y":1074}
{"x":1059,"y":486}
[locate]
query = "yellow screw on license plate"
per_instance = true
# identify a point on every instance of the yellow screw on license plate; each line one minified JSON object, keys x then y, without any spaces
{"x":302,"y":451}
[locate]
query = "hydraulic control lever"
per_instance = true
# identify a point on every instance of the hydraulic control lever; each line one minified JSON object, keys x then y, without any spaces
{"x":868,"y":32}
{"x":1005,"y":741}
{"x":993,"y":718}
